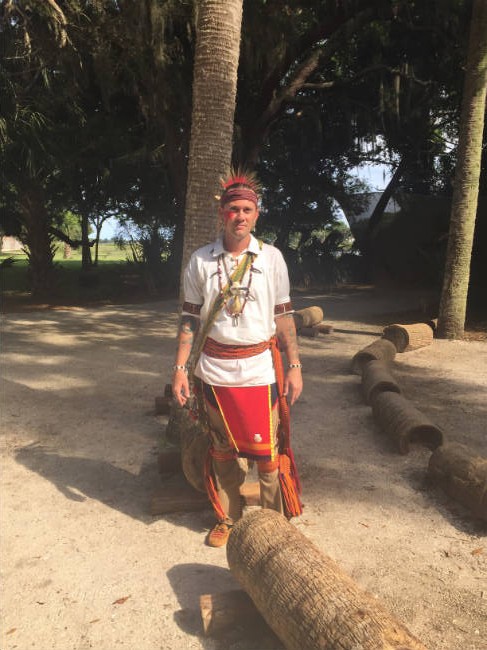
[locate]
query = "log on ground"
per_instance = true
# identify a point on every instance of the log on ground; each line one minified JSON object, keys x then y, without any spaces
{"x":379,"y":350}
{"x":227,"y":610}
{"x":409,"y":337}
{"x":182,"y":430}
{"x":308,"y":317}
{"x":404,"y":423}
{"x":169,"y":461}
{"x":311,"y":332}
{"x":324,"y":328}
{"x":177,"y":495}
{"x":462,"y":474}
{"x":376,"y":378}
{"x":163,"y":405}
{"x":304,"y":596}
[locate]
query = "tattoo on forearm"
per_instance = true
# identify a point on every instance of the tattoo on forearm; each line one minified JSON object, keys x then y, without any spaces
{"x":188,"y":327}
{"x":286,"y":334}
{"x":189,"y":324}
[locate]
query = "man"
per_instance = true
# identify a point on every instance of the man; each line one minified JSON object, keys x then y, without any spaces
{"x":236,"y":295}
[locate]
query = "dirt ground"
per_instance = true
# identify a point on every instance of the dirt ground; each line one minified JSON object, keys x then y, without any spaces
{"x":85,"y":565}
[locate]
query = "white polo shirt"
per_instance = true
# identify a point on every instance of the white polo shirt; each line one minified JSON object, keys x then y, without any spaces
{"x":269,"y":286}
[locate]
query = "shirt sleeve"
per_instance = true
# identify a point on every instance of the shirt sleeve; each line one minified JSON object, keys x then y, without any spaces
{"x":281,"y":278}
{"x":192,"y":288}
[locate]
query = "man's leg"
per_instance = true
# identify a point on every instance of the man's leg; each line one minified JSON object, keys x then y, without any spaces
{"x":270,"y":488}
{"x":229,"y":473}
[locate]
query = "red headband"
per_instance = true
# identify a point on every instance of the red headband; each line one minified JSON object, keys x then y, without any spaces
{"x":238,"y":194}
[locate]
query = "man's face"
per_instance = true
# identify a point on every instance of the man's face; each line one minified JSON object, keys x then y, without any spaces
{"x":239,"y":218}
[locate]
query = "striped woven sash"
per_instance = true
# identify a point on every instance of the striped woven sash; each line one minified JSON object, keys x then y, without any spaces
{"x":218,"y":350}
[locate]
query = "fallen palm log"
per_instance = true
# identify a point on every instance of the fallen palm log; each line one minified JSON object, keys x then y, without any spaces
{"x":409,"y":337}
{"x":169,"y":461}
{"x":308,"y":317}
{"x":195,"y":444}
{"x":179,"y":420}
{"x":163,"y":405}
{"x":376,"y":378}
{"x":324,"y":328}
{"x":176,"y":495}
{"x":303,"y":595}
{"x":462,"y":474}
{"x":379,"y":350}
{"x":402,"y":421}
{"x":311,"y":332}
{"x":225,"y":611}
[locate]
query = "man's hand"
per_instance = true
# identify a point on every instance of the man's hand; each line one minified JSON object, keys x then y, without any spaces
{"x":180,"y":387}
{"x":293,"y":384}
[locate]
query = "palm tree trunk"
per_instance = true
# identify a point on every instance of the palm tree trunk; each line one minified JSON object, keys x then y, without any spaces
{"x":36,"y":238}
{"x":214,"y":91}
{"x":453,"y":304}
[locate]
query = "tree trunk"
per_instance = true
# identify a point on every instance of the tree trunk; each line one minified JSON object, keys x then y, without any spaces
{"x":453,"y":304}
{"x":214,"y":91}
{"x":308,"y":601}
{"x":381,"y":205}
{"x":98,"y":228}
{"x":85,"y":243}
{"x":37,"y":238}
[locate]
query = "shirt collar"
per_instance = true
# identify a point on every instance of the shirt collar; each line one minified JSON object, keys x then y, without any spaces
{"x":253,"y":247}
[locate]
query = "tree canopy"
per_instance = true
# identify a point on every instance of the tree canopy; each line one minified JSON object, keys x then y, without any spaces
{"x":96,"y":112}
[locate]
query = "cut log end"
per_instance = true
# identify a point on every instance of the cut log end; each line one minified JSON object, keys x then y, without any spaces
{"x":399,"y":419}
{"x":463,"y":475}
{"x":428,"y":435}
{"x":409,"y":337}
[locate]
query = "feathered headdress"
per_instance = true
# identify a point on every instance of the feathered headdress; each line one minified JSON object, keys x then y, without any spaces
{"x":240,"y":184}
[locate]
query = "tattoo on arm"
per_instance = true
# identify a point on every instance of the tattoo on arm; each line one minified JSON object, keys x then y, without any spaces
{"x":189,"y":324}
{"x":188,"y":327}
{"x":286,"y":333}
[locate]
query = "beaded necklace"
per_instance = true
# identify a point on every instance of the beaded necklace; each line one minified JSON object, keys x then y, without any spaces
{"x":236,"y":299}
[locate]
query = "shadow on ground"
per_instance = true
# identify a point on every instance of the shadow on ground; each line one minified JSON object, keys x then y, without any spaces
{"x":189,"y":582}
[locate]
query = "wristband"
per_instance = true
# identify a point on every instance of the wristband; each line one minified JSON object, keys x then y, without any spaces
{"x":295,"y":365}
{"x":176,"y":367}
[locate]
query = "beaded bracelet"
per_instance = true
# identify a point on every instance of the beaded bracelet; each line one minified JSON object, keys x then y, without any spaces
{"x":295,"y":365}
{"x":176,"y":367}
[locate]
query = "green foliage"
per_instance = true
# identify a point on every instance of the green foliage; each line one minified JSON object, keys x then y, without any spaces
{"x":97,"y":102}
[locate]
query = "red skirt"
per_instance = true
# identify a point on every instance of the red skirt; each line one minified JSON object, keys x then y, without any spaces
{"x":249,"y":414}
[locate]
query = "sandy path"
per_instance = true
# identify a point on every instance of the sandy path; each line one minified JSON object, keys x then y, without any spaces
{"x":78,"y":447}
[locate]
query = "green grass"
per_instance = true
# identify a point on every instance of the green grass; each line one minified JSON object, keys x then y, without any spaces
{"x":107,"y":252}
{"x":113,"y":279}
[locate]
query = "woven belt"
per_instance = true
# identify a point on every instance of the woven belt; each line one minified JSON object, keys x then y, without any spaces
{"x":218,"y":350}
